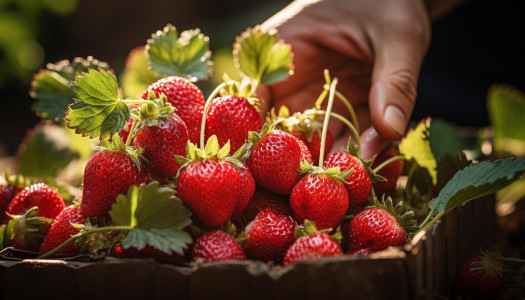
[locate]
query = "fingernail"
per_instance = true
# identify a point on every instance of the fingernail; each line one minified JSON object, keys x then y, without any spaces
{"x":395,"y":118}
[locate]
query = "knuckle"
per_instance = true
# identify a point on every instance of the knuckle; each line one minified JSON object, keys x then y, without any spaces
{"x":403,"y":81}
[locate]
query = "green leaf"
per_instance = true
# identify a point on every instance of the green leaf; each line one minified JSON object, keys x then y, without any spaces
{"x":137,"y":76}
{"x":51,"y":88}
{"x":97,"y":111}
{"x":45,"y":152}
{"x":448,"y":166}
{"x":445,"y":138}
{"x":416,"y":145}
{"x":260,"y":56}
{"x":186,"y":56}
{"x":156,"y":216}
{"x":477,"y":180}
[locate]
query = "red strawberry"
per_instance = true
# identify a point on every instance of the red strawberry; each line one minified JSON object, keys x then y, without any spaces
{"x":162,"y":135}
{"x":359,"y":182}
{"x":148,"y":252}
{"x":247,"y":190}
{"x":231,"y":118}
{"x":390,"y":172}
{"x":7,"y":193}
{"x":313,"y":142}
{"x":478,"y":277}
{"x":380,"y":227}
{"x":186,"y":97}
{"x":208,"y":184}
{"x":61,"y":230}
{"x":312,"y":245}
{"x":217,"y":246}
{"x":124,"y":132}
{"x":269,"y":235}
{"x":107,"y":174}
{"x":46,"y":198}
{"x":320,"y":197}
{"x":275,"y":160}
{"x":305,"y":152}
{"x":263,"y":199}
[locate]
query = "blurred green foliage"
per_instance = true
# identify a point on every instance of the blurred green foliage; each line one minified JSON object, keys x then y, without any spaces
{"x":20,"y":51}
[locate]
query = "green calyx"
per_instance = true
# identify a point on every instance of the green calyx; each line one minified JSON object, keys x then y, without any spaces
{"x":27,"y":231}
{"x":309,"y":228}
{"x":117,"y":144}
{"x":406,"y":219}
{"x":353,"y":150}
{"x":158,"y":108}
{"x":334,"y":172}
{"x":244,"y":89}
{"x":307,"y":122}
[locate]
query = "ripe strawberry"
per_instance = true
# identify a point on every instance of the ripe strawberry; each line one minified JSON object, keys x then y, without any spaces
{"x":359,"y":182}
{"x":217,"y":246}
{"x":62,"y":229}
{"x":275,"y":160}
{"x":148,"y":252}
{"x":319,"y":196}
{"x":107,"y":174}
{"x":390,"y":172}
{"x":305,"y":152}
{"x":231,"y":118}
{"x":263,"y":199}
{"x":311,"y":245}
{"x":247,"y":190}
{"x":268,"y":236}
{"x":313,"y":142}
{"x":209,"y":184}
{"x":186,"y":97}
{"x":380,"y":227}
{"x":478,"y":277}
{"x":7,"y":193}
{"x":162,"y":135}
{"x":46,"y":198}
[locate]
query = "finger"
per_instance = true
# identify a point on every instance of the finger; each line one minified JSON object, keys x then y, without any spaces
{"x":399,"y":53}
{"x":372,"y":143}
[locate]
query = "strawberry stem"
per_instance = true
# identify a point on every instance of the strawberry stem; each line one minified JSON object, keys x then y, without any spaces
{"x":213,"y":94}
{"x":326,"y":120}
{"x":131,"y":133}
{"x":429,"y":221}
{"x":136,"y":101}
{"x":511,"y":260}
{"x":82,"y":234}
{"x":387,"y":162}
{"x":350,"y":108}
{"x":344,"y":121}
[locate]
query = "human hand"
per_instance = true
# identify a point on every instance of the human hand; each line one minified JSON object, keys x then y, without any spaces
{"x":375,"y":48}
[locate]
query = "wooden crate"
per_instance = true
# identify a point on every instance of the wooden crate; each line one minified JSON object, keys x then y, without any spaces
{"x":421,"y":270}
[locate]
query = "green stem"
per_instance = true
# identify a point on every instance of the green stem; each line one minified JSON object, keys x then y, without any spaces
{"x":430,"y":223}
{"x":326,"y":120}
{"x":82,"y":234}
{"x":350,"y":109}
{"x":135,"y":117}
{"x":387,"y":162}
{"x":320,"y":100}
{"x":136,"y":101}
{"x":344,"y":121}
{"x":131,"y":133}
{"x":215,"y":92}
{"x":512,"y":260}
{"x":427,"y":219}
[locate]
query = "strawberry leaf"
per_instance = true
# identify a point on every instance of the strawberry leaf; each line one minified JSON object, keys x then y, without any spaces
{"x":416,"y":145}
{"x":186,"y":56}
{"x":137,"y":76}
{"x":156,"y":216}
{"x":260,"y":56}
{"x":50,"y":87}
{"x":97,"y":111}
{"x":477,"y":180}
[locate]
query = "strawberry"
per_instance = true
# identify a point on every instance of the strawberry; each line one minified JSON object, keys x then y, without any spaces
{"x":478,"y":277}
{"x":162,"y":135}
{"x":209,"y":184}
{"x":7,"y":193}
{"x":62,"y":229}
{"x":107,"y":174}
{"x":217,"y":246}
{"x":390,"y":172}
{"x":312,"y":141}
{"x":275,"y":159}
{"x":320,"y":196}
{"x":148,"y":252}
{"x":311,"y":244}
{"x":186,"y":97}
{"x":263,"y":199}
{"x":305,"y":152}
{"x":268,"y":236}
{"x":247,"y":190}
{"x":46,"y":198}
{"x":231,"y":118}
{"x":379,"y":227}
{"x":359,"y":182}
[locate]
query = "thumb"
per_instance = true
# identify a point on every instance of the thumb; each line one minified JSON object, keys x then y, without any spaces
{"x":394,"y":81}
